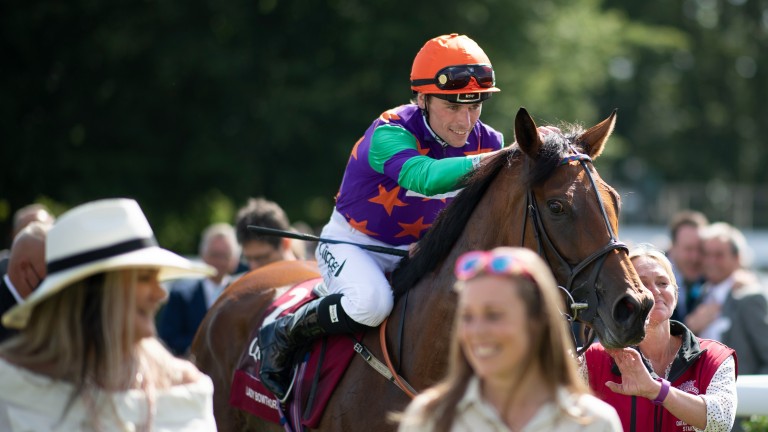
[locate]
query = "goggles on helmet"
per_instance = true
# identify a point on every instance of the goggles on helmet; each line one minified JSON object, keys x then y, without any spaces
{"x":458,"y":77}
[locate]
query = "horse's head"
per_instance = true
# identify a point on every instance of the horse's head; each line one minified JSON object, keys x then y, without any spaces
{"x":572,"y":219}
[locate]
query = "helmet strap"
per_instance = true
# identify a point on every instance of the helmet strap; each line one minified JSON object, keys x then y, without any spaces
{"x":425,"y":116}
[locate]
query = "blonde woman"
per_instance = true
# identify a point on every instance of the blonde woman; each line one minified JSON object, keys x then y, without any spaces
{"x":86,"y":357}
{"x":673,"y":380}
{"x":510,"y":369}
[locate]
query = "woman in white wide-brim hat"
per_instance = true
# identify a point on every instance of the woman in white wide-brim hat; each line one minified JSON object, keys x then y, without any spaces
{"x":86,"y":357}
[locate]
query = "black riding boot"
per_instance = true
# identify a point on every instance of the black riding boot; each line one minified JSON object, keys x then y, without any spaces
{"x":279,"y":340}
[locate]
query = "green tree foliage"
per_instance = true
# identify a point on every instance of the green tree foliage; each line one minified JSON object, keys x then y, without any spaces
{"x":191,"y":107}
{"x":697,"y":109}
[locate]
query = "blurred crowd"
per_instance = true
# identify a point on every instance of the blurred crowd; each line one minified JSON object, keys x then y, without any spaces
{"x":719,"y":297}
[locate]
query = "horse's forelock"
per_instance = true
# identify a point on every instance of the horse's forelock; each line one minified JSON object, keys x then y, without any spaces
{"x":553,"y":149}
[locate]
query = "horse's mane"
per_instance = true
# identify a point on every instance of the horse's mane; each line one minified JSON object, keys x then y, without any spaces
{"x":437,"y":243}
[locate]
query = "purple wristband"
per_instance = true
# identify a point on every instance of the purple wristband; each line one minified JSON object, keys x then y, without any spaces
{"x":663,"y":392}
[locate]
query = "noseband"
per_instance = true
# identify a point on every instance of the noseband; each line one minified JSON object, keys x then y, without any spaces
{"x":582,"y":302}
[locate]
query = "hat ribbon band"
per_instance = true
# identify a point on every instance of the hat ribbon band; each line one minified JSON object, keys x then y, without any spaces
{"x":99,"y":254}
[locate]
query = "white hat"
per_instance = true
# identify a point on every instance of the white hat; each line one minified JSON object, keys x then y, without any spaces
{"x":96,"y":237}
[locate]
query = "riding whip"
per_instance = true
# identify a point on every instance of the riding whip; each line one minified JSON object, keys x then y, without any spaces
{"x":310,"y":237}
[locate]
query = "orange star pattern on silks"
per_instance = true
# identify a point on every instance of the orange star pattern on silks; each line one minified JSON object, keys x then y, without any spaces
{"x":361,"y":226}
{"x":354,"y":149}
{"x":422,"y":151}
{"x":413,"y":229}
{"x":388,"y":199}
{"x":389,"y":115}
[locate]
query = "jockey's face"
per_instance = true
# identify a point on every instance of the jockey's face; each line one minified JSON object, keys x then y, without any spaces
{"x":453,"y":122}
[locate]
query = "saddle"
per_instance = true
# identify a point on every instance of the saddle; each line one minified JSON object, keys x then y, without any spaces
{"x":314,"y":378}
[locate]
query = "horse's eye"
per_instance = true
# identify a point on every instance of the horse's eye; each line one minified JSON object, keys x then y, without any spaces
{"x":555,"y":207}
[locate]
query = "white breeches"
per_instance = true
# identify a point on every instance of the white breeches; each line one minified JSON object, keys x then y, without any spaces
{"x":356,"y":273}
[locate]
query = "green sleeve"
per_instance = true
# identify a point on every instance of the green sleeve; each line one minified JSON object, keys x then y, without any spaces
{"x":386,"y":142}
{"x":420,"y":174}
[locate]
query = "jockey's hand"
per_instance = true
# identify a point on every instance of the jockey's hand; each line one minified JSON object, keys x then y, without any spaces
{"x":635,"y":379}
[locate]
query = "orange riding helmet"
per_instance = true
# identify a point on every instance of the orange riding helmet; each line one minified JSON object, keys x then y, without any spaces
{"x":453,"y":67}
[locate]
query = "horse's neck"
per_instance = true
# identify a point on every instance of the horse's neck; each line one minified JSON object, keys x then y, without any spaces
{"x":497,"y":220}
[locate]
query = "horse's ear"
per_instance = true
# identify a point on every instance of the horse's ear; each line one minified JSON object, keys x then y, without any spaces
{"x":526,"y":135}
{"x":595,"y":138}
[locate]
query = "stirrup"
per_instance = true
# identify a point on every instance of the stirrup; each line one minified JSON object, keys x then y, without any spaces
{"x":294,"y":377}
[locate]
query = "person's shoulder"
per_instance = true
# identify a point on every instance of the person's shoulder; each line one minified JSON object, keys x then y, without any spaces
{"x":186,"y":373}
{"x":419,"y":403}
{"x":171,"y":370}
{"x":594,"y":351}
{"x":414,"y":418}
{"x":591,"y":407}
{"x":714,"y":353}
{"x":751,"y":292}
{"x":589,"y":403}
{"x":27,"y":387}
{"x":184,"y":287}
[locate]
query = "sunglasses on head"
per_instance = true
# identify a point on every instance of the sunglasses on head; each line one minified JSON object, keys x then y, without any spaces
{"x":474,"y":263}
{"x":458,"y":77}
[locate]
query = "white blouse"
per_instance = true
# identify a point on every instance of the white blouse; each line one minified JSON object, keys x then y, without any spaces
{"x":586,"y":413}
{"x":34,"y":402}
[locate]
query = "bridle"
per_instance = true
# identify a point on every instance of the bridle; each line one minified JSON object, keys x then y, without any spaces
{"x":581,"y":302}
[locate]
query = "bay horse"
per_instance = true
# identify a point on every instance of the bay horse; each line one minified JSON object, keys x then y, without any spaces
{"x":542,"y":193}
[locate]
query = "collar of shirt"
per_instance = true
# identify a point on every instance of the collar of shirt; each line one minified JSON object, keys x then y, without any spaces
{"x":549,"y":416}
{"x":12,"y":289}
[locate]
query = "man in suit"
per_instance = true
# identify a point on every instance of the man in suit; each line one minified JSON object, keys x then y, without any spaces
{"x":734,"y":309}
{"x":190,"y":299}
{"x":685,"y":256}
{"x":26,"y":269}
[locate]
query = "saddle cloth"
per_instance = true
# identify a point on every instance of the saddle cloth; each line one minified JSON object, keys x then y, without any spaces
{"x":317,"y":376}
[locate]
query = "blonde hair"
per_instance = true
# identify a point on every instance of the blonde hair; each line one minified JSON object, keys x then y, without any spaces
{"x":84,"y":335}
{"x":550,"y":347}
{"x":649,"y":251}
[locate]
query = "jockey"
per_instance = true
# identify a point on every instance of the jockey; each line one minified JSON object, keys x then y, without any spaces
{"x":401,"y":173}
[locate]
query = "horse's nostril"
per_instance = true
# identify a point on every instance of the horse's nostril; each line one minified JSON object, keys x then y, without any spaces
{"x":624,"y":310}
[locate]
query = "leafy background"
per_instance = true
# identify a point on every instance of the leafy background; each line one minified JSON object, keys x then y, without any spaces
{"x":191,"y":107}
